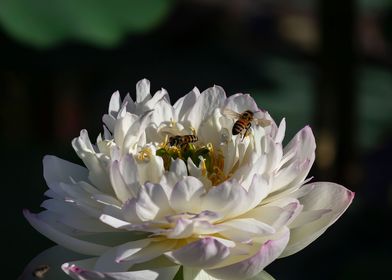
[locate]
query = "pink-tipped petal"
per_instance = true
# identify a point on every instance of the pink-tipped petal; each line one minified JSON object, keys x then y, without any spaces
{"x":205,"y":252}
{"x":334,"y":199}
{"x":250,"y":267}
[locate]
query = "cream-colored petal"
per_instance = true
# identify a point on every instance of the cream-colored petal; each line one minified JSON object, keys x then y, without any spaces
{"x":240,"y":103}
{"x":231,"y":199}
{"x":148,"y":252}
{"x":186,"y":195}
{"x":185,"y":103}
{"x":121,"y":189}
{"x":249,"y":267}
{"x":244,"y":229}
{"x":275,"y":216}
{"x":323,"y":195}
{"x":205,"y":105}
{"x":150,"y":170}
{"x":203,"y":253}
{"x":97,"y":165}
{"x":69,"y":242}
{"x":143,"y":91}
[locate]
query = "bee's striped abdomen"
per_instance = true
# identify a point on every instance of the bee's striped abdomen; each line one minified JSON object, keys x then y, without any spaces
{"x":182,"y":140}
{"x":240,"y":126}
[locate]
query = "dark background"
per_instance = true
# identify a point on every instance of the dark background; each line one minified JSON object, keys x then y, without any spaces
{"x":323,"y":63}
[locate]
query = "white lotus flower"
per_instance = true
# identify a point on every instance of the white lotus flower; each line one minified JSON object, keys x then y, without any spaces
{"x":223,"y":207}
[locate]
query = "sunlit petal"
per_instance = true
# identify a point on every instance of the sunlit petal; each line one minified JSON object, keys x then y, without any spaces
{"x":205,"y":184}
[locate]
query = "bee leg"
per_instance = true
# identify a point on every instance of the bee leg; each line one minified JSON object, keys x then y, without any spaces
{"x":183,"y":146}
{"x":246,"y":132}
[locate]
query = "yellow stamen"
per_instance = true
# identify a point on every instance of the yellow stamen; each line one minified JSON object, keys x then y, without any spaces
{"x":203,"y":167}
{"x":216,"y":174}
{"x":165,"y":142}
{"x":144,"y":154}
{"x":210,"y":160}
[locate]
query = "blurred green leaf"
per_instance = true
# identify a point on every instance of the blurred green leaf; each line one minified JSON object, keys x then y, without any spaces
{"x":44,"y":23}
{"x":293,"y":97}
{"x":366,"y":5}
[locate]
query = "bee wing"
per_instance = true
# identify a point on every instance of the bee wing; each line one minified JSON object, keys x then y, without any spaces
{"x":263,"y":122}
{"x":231,"y":114}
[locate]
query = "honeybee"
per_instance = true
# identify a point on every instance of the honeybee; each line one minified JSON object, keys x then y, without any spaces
{"x":244,"y":121}
{"x":182,"y":140}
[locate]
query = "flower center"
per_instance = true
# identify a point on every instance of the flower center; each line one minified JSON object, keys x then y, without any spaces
{"x":209,"y":160}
